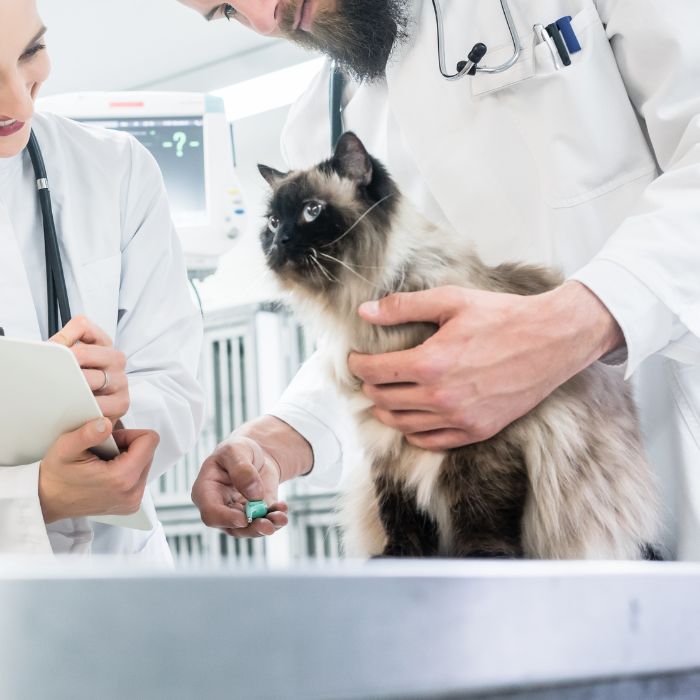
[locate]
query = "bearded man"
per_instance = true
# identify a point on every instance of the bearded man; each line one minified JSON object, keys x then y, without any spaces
{"x":587,"y":160}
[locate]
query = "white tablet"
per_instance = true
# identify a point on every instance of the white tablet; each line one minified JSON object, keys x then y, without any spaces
{"x":44,"y":394}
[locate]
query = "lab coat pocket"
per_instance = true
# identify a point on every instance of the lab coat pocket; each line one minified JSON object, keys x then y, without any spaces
{"x":99,"y":285}
{"x":578,"y":122}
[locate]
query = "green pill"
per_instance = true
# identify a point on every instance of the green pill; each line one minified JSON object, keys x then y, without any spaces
{"x":255,"y":510}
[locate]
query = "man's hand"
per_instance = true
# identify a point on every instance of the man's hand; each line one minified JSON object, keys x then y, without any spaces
{"x":238,"y":471}
{"x":101,"y":364}
{"x":250,"y":466}
{"x":74,"y":483}
{"x":494,"y":358}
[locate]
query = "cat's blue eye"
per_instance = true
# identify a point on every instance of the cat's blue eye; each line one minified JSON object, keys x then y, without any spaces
{"x":312,"y":210}
{"x":273,"y":224}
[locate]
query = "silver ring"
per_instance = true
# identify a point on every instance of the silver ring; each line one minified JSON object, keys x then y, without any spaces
{"x":106,"y":382}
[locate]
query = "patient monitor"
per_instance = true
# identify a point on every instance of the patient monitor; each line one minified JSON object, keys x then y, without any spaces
{"x":190,"y":137}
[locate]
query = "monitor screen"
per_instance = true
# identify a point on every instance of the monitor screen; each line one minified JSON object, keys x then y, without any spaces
{"x":178,"y":146}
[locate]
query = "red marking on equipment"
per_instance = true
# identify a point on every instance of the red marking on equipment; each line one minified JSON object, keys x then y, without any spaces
{"x":127,"y":104}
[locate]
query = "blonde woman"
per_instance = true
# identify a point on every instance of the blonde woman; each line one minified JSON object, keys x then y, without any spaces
{"x":135,"y":331}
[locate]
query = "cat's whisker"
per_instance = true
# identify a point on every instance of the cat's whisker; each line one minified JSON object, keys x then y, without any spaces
{"x":311,"y":260}
{"x":321,"y":269}
{"x":354,"y":272}
{"x":367,"y":213}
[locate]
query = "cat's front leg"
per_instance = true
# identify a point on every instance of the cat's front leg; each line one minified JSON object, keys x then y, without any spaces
{"x":485,"y":485}
{"x":409,"y":531}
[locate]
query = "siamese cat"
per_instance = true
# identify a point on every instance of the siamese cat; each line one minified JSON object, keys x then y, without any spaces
{"x":569,"y":480}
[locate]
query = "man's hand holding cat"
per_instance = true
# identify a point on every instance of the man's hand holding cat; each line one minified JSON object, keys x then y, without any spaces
{"x":494,"y":358}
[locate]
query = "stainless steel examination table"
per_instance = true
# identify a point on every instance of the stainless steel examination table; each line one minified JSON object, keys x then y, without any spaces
{"x":381,"y":630}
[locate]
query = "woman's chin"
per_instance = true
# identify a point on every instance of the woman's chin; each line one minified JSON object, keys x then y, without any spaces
{"x":13,"y":145}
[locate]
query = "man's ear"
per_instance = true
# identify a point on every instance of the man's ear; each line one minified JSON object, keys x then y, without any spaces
{"x":351,"y":159}
{"x":271,"y":175}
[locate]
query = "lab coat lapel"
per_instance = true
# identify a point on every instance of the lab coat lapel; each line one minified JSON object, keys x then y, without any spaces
{"x":438,"y":125}
{"x":17,"y":311}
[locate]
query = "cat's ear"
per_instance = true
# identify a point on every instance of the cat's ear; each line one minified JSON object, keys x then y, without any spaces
{"x":271,"y":175}
{"x":351,"y":159}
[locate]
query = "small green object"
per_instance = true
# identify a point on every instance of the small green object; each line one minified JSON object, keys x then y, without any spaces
{"x":255,"y":510}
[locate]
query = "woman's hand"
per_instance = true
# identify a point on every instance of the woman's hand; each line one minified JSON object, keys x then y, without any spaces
{"x":74,"y":483}
{"x":494,"y":358}
{"x":103,"y":365}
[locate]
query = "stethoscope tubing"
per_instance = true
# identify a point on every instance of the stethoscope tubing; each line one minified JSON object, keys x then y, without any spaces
{"x":337,"y":78}
{"x":57,"y":291}
{"x":469,"y":67}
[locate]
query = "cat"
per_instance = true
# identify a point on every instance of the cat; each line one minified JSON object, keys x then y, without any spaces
{"x":569,"y":480}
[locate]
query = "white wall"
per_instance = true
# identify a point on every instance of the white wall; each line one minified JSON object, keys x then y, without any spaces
{"x":154,"y":44}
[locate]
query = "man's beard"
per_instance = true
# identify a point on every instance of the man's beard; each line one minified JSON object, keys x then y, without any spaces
{"x":360,"y":34}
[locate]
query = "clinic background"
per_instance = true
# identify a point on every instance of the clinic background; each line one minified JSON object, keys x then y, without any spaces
{"x":252,"y":346}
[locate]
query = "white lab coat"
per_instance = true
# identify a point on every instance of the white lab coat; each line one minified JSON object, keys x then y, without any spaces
{"x":124,"y":271}
{"x":594,"y":169}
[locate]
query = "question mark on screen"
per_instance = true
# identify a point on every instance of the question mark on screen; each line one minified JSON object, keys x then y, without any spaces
{"x":180,"y":139}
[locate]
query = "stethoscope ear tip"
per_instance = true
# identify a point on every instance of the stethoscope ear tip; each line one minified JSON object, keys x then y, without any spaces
{"x":475,"y":56}
{"x":471,"y":65}
{"x":477,"y":53}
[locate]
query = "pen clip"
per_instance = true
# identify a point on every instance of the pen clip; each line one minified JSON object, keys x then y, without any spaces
{"x":554,"y":32}
{"x":541,"y":32}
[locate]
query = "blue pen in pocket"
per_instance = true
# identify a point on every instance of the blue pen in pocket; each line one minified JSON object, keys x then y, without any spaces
{"x":569,"y":35}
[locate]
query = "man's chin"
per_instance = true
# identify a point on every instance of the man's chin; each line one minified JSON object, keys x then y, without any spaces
{"x":343,"y":34}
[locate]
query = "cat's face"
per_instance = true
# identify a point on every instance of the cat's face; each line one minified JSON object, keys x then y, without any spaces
{"x":329,"y":222}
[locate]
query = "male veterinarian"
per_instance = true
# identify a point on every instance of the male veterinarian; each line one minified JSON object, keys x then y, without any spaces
{"x":582,"y":151}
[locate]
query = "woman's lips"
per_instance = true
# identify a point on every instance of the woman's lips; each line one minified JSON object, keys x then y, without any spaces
{"x":10,"y":126}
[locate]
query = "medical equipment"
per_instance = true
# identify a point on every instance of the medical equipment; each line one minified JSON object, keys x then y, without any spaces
{"x":498,"y":629}
{"x":57,"y":294}
{"x":255,"y":510}
{"x":190,"y":138}
{"x":471,"y":65}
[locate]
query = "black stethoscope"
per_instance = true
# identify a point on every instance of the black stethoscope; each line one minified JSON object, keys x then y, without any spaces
{"x":470,"y":66}
{"x":57,"y":293}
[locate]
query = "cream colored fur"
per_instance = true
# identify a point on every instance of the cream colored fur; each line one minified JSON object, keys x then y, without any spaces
{"x":591,"y":493}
